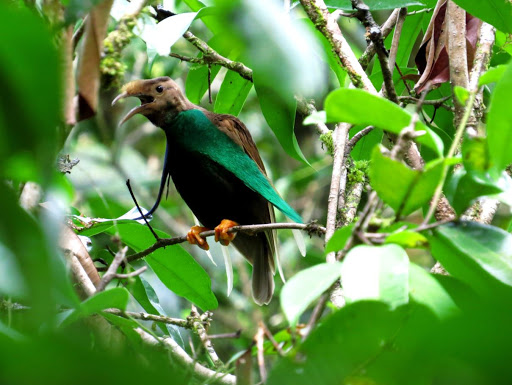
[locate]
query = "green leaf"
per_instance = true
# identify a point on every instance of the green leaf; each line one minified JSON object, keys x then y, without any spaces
{"x":407,"y":239}
{"x":362,"y":343}
{"x":306,"y":286}
{"x":374,"y":5}
{"x":499,"y":121}
{"x":176,"y":268}
{"x":212,"y":23}
{"x":232,"y":94}
{"x":361,"y":107}
{"x":492,"y":75}
{"x":461,"y":94}
{"x":495,"y":12}
{"x":146,"y":296}
{"x":464,"y":187}
{"x":30,"y":156}
{"x":376,"y":272}
{"x":477,"y":254}
{"x":475,"y":154}
{"x":339,"y":239}
{"x":114,"y":298}
{"x":424,"y":288}
{"x":126,"y":325}
{"x":404,"y":189}
{"x":280,"y":116}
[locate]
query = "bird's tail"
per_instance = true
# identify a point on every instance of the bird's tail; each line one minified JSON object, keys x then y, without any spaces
{"x":263,"y":279}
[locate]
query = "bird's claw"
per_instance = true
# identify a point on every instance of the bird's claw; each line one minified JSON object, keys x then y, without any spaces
{"x":194,"y":238}
{"x":221,"y":232}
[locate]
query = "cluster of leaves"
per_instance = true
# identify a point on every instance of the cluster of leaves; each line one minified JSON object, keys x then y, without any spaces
{"x":400,"y":323}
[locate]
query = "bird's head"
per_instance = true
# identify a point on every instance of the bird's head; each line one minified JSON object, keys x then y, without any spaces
{"x":161,"y":99}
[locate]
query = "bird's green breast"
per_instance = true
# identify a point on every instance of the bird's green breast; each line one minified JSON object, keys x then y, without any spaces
{"x":192,"y":131}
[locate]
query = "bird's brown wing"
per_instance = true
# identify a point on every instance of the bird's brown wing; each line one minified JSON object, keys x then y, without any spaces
{"x":236,"y":130}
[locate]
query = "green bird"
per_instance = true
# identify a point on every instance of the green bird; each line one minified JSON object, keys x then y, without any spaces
{"x":216,"y":168}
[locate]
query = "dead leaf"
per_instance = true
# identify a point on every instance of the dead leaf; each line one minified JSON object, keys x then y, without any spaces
{"x":89,"y":60}
{"x":432,"y":58}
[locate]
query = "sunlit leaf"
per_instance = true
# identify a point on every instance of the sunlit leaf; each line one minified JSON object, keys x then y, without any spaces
{"x":361,"y":107}
{"x":306,"y":286}
{"x":339,"y":239}
{"x":424,"y":288}
{"x":376,"y":272}
{"x":407,"y":239}
{"x":493,"y":75}
{"x":232,"y":94}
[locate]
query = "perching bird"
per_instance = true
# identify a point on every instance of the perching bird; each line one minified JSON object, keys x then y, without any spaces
{"x":217,"y":170}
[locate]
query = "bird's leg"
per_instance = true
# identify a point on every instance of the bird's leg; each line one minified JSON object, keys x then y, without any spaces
{"x":194,"y":238}
{"x":221,"y":232}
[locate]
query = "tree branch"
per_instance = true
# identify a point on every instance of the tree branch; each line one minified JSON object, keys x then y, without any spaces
{"x":199,"y":322}
{"x":112,"y":269}
{"x":182,"y":358}
{"x":328,"y":26}
{"x":310,"y":228}
{"x":187,"y":324}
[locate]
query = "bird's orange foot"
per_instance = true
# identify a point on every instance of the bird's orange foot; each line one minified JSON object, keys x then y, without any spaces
{"x":194,"y":238}
{"x":221,"y":232}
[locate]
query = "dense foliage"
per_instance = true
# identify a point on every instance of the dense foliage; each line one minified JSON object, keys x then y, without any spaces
{"x":407,"y":277}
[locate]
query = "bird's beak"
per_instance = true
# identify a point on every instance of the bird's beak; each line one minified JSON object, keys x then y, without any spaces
{"x":129,"y":90}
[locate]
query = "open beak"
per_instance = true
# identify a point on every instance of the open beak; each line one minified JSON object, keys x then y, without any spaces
{"x":145,"y":100}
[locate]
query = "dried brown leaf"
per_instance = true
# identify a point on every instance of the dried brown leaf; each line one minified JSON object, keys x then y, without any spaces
{"x":89,"y":59}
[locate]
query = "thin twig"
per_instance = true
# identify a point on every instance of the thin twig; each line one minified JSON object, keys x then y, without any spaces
{"x":385,"y":29}
{"x":234,"y":335}
{"x":432,"y":102}
{"x":356,"y":138}
{"x":111,"y":272}
{"x":187,"y":324}
{"x":272,"y":339}
{"x":198,"y":322}
{"x":132,"y":274}
{"x":259,"y":337}
{"x":396,"y":38}
{"x":375,"y":35}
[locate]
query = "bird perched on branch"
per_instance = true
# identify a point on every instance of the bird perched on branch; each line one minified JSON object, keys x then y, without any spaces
{"x":217,"y":170}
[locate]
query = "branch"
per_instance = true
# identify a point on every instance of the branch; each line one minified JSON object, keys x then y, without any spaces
{"x":340,"y":138}
{"x":182,"y":358}
{"x":385,"y":30}
{"x":432,"y":102}
{"x":187,"y":324}
{"x":198,"y":322}
{"x":328,"y":26}
{"x":111,"y":272}
{"x":310,"y":228}
{"x":356,"y":138}
{"x":374,"y":33}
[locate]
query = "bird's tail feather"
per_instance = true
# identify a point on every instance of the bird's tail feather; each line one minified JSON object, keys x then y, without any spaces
{"x":262,"y":280}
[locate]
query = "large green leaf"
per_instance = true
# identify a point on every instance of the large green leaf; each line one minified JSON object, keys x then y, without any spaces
{"x":173,"y":265}
{"x":30,"y":98}
{"x":376,"y":272}
{"x":361,"y":107}
{"x":306,"y":286}
{"x":477,"y":254}
{"x":362,"y":343}
{"x":404,"y":189}
{"x":499,"y":121}
{"x":495,"y":12}
{"x":339,"y":239}
{"x":374,"y":5}
{"x":232,"y":94}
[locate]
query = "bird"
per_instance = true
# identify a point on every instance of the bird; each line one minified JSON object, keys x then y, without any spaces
{"x":216,"y":168}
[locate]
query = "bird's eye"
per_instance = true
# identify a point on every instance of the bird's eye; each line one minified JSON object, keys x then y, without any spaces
{"x":159,"y":89}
